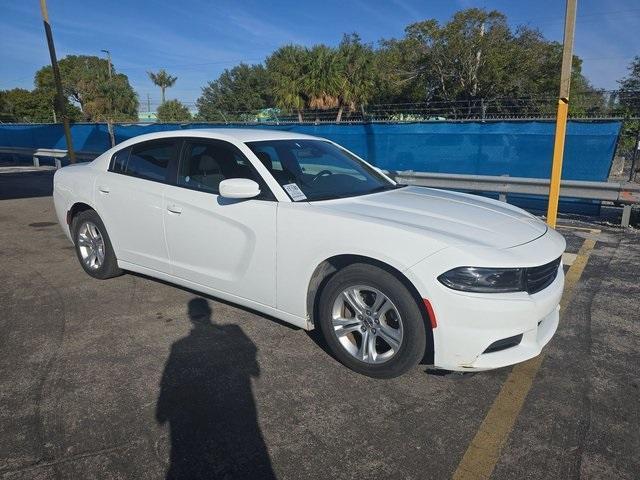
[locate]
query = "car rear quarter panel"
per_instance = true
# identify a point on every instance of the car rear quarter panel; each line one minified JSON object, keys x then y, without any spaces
{"x":72,"y":184}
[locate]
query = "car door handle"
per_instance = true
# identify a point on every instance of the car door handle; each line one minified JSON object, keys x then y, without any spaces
{"x":174,"y":209}
{"x":103,"y":189}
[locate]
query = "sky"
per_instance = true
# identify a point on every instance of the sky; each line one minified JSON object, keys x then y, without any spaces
{"x":197,"y":39}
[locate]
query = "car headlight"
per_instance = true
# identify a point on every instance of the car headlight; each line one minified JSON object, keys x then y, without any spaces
{"x":484,"y":280}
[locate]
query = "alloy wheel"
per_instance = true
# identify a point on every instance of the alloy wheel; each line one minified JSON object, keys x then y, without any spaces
{"x":367,"y":324}
{"x":91,"y":245}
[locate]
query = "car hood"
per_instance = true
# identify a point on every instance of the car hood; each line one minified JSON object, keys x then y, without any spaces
{"x":454,"y":218}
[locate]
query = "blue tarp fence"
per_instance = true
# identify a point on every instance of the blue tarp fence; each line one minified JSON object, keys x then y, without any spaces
{"x":514,"y":148}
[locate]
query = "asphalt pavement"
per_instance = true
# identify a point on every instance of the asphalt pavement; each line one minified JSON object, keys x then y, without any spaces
{"x":136,"y":378}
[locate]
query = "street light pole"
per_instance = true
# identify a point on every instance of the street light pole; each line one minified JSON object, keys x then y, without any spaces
{"x":108,"y":60}
{"x":563,"y":110}
{"x":60,"y":100}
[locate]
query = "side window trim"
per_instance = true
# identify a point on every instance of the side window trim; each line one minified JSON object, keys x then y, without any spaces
{"x":173,"y":168}
{"x":266,"y":194}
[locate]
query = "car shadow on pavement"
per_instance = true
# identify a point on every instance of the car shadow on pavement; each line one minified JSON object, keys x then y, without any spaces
{"x":207,"y":400}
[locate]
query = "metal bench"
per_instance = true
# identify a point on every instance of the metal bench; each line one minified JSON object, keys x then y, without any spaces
{"x":57,"y":156}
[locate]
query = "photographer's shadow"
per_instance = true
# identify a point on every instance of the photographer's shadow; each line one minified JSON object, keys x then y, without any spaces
{"x":206,"y":397}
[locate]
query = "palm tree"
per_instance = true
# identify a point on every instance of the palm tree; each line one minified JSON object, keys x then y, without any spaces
{"x":163,"y":80}
{"x":286,"y":67}
{"x":321,"y":83}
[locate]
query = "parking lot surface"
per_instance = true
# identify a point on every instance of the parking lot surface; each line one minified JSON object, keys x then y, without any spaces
{"x":135,"y":378}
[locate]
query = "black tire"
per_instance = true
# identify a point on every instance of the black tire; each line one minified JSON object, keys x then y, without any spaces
{"x":109,"y":267}
{"x":414,"y":337}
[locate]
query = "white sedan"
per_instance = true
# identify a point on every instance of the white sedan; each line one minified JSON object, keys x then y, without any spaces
{"x":301,"y":229}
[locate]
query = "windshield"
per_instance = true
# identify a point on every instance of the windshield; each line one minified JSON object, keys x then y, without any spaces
{"x":317,"y":170}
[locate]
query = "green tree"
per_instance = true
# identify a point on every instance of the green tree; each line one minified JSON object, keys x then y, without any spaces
{"x":163,"y":80}
{"x":173,"y":111}
{"x":86,"y":82}
{"x":458,"y":63}
{"x":244,"y":88}
{"x":357,"y":77}
{"x":476,"y":64}
{"x":628,"y":97}
{"x":31,"y":106}
{"x":629,"y":93}
{"x":321,"y":80}
{"x":286,"y":68}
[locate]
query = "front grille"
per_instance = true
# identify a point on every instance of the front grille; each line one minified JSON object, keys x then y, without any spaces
{"x":539,"y":278}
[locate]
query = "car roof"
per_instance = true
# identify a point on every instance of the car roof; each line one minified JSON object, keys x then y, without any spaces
{"x":229,"y":134}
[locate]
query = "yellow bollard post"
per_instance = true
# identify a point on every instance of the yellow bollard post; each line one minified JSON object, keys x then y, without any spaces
{"x":556,"y":167}
{"x":563,"y":110}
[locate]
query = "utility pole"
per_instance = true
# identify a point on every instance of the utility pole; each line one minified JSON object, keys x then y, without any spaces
{"x":148,"y":103}
{"x":60,"y":100}
{"x":563,"y":110}
{"x":108,"y":60}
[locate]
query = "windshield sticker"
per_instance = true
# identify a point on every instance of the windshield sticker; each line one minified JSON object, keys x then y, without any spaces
{"x":294,"y":192}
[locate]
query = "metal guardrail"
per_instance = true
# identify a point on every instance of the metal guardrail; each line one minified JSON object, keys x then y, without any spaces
{"x":624,"y":193}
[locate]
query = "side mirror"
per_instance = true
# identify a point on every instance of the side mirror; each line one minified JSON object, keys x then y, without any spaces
{"x":239,"y":188}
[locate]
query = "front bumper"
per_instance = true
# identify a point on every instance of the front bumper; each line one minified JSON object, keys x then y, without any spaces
{"x":468,"y":323}
{"x":529,"y":347}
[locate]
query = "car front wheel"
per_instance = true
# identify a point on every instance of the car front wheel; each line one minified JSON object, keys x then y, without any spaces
{"x":371,"y":321}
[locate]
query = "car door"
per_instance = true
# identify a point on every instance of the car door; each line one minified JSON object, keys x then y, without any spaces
{"x":129,"y":198}
{"x":225,"y":244}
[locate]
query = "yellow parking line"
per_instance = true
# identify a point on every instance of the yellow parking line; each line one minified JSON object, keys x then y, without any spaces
{"x":483,"y":453}
{"x":568,"y":258}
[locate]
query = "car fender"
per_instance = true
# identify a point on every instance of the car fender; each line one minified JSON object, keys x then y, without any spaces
{"x":309,"y":236}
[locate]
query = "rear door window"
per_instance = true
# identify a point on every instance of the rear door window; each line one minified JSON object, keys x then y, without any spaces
{"x":151,"y":160}
{"x":119,"y":160}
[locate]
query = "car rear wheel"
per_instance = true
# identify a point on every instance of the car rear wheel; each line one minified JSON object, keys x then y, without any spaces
{"x":371,"y":321}
{"x":93,"y":246}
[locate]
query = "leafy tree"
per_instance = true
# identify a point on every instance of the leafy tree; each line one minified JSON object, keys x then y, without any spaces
{"x":86,"y":82}
{"x":163,"y":80}
{"x":322,"y":78}
{"x":629,"y":93}
{"x":628,"y":97}
{"x":476,"y":62}
{"x":392,"y":81}
{"x":286,"y":68}
{"x":243,"y":88}
{"x":458,"y":63}
{"x":173,"y":111}
{"x":31,"y":106}
{"x":21,"y":105}
{"x":357,"y":73}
